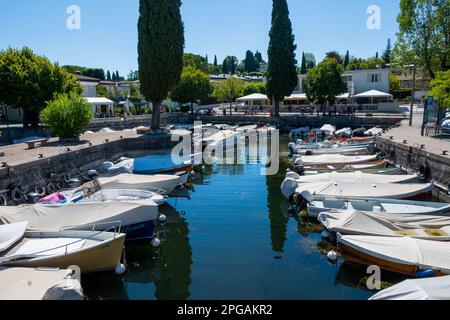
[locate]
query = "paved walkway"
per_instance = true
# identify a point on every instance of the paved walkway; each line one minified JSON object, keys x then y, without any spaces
{"x":413,"y":136}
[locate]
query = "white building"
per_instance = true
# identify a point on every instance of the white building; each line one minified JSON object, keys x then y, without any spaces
{"x":89,"y":85}
{"x":360,"y":81}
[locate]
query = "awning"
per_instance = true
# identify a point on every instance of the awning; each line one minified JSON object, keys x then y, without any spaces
{"x":373,"y":94}
{"x":297,"y":96}
{"x":254,"y":97}
{"x":99,"y":100}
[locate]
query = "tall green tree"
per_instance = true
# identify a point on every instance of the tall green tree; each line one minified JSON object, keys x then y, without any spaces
{"x":424,"y":37}
{"x":229,"y":90}
{"x":303,"y":68}
{"x":324,"y":82}
{"x":194,"y":86}
{"x":387,"y":53}
{"x":215,"y":61}
{"x":347,"y":59}
{"x":230,"y":65}
{"x":250,"y":62}
{"x":108,"y":76}
{"x":334,"y":55}
{"x":310,"y":60}
{"x":29,"y":81}
{"x":440,"y":89}
{"x":258,"y":57}
{"x":195,"y":61}
{"x":118,"y":77}
{"x":282,"y":75}
{"x":160,"y":50}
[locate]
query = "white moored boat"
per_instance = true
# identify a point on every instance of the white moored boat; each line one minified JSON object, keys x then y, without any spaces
{"x":319,"y":204}
{"x":137,"y":217}
{"x":437,"y":288}
{"x":166,"y":182}
{"x":348,"y":151}
{"x":405,"y":255}
{"x":91,"y":251}
{"x":219,"y":139}
{"x":387,"y":225}
{"x":356,"y":176}
{"x":39,"y":284}
{"x":332,"y":160}
{"x":407,"y":191}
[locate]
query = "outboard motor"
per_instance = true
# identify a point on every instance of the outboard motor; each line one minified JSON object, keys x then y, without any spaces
{"x":299,"y":167}
{"x":74,"y":183}
{"x":301,"y":200}
{"x":33,"y":197}
{"x":371,"y":148}
{"x":92,"y":174}
{"x":107,"y":165}
{"x":291,"y":147}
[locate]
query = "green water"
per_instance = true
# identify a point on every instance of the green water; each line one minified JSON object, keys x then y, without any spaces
{"x":233,"y":239}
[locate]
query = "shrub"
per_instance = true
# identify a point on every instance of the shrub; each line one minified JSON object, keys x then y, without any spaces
{"x":68,"y":115}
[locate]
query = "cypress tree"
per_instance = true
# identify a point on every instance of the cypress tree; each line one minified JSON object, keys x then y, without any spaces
{"x":215,"y":61}
{"x":160,"y":50}
{"x":282,"y":74}
{"x":225,"y":66}
{"x":108,"y":76}
{"x":250,"y":63}
{"x":117,"y":76}
{"x":113,"y":78}
{"x":387,"y":53}
{"x":303,"y":68}
{"x":347,"y":59}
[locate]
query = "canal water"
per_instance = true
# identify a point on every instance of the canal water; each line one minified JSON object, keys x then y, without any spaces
{"x":233,"y":239}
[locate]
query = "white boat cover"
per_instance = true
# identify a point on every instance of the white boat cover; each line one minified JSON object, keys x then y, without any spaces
{"x":11,"y":233}
{"x":140,"y":182}
{"x":328,"y":128}
{"x":362,"y":189}
{"x":48,"y":247}
{"x":437,"y":288}
{"x":38,"y":284}
{"x":81,"y":216}
{"x":360,"y":223}
{"x":333,"y":159}
{"x":152,"y":164}
{"x":424,"y":254}
{"x":356,"y":176}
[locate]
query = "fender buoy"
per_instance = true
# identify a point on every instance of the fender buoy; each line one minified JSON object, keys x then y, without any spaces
{"x":17,"y":195}
{"x":3,"y":200}
{"x":426,"y":273}
{"x":312,"y":136}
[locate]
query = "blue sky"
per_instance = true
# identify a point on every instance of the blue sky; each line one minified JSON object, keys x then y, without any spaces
{"x":108,"y":35}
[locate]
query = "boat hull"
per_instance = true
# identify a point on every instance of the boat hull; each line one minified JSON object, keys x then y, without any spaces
{"x":103,"y":257}
{"x":139,"y":231}
{"x":351,"y":255}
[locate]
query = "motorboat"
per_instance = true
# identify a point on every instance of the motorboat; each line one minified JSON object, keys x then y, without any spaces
{"x":354,"y":176}
{"x":404,"y":255}
{"x":387,"y":225}
{"x":138,"y":218}
{"x":220,"y":139}
{"x":321,"y":204}
{"x":344,"y":150}
{"x":377,"y":169}
{"x":406,"y":191}
{"x":165,"y":183}
{"x":332,"y":160}
{"x":153,"y":164}
{"x":91,"y":251}
{"x":39,"y":284}
{"x":436,"y":288}
{"x":345,"y":132}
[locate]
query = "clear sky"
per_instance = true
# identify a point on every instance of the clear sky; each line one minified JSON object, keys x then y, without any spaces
{"x":108,"y":34}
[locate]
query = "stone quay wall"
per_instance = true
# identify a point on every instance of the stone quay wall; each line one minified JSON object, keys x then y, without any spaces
{"x":37,"y":172}
{"x":413,"y":158}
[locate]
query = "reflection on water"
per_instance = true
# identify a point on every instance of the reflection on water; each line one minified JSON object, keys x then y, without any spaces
{"x":234,"y":238}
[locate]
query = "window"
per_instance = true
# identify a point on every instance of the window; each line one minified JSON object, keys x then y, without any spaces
{"x":374,"y":77}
